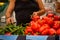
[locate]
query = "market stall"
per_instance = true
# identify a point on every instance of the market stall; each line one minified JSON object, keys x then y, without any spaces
{"x":48,"y":26}
{"x":45,"y":27}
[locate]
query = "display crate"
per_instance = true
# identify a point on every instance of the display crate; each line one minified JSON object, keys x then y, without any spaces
{"x":27,"y":37}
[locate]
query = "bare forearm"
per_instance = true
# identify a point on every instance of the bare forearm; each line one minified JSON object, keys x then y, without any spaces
{"x":10,"y":9}
{"x":41,"y":6}
{"x":58,"y":11}
{"x":41,"y":12}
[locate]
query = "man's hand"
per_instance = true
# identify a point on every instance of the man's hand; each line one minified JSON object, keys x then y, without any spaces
{"x":9,"y":20}
{"x":34,"y":14}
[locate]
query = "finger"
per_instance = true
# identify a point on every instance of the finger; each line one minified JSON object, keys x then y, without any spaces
{"x":31,"y":16}
{"x":12,"y":21}
{"x":8,"y":22}
{"x":35,"y":13}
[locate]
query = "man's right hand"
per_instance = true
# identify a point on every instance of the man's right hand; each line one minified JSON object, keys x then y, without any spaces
{"x":9,"y":20}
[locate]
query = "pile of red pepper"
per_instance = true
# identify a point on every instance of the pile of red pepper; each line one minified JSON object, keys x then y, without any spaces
{"x":48,"y":25}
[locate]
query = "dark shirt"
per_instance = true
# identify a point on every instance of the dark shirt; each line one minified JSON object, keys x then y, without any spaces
{"x":23,"y":10}
{"x":25,"y":4}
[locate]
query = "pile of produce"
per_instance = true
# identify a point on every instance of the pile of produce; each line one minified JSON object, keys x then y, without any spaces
{"x":12,"y":30}
{"x":48,"y":25}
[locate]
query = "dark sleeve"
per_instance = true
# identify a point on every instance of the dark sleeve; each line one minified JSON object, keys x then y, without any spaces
{"x":21,"y":38}
{"x":51,"y":38}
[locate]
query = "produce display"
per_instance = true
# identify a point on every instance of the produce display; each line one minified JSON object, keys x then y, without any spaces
{"x":48,"y":25}
{"x":12,"y":30}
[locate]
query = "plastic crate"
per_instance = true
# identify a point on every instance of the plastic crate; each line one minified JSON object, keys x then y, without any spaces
{"x":27,"y":37}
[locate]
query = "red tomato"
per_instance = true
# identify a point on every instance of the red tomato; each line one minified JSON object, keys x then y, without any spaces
{"x":45,"y":32}
{"x":28,"y":27}
{"x":32,"y":22}
{"x":38,"y":26}
{"x":41,"y":22}
{"x":56,"y":24}
{"x":34,"y":26}
{"x":35,"y":18}
{"x":8,"y":33}
{"x":52,"y":31}
{"x":50,"y":15}
{"x":45,"y":26}
{"x":56,"y":17}
{"x":59,"y":18}
{"x":45,"y":18}
{"x":48,"y":20}
{"x":58,"y":31}
{"x":28,"y":30}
